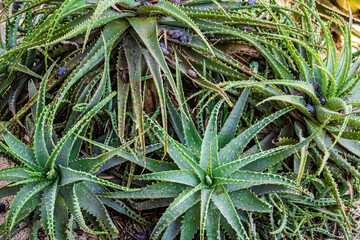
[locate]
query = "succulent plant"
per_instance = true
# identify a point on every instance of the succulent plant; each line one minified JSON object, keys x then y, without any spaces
{"x":325,"y":92}
{"x":212,"y":182}
{"x":133,"y":35}
{"x":314,"y":217}
{"x":52,"y":179}
{"x":216,"y":174}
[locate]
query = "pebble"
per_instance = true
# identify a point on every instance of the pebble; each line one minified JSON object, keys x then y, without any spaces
{"x":322,"y":99}
{"x":140,"y":236}
{"x":247,"y":29}
{"x":177,"y":35}
{"x":60,"y":72}
{"x":210,"y":36}
{"x":172,"y":32}
{"x":149,"y":231}
{"x":184,"y":39}
{"x":2,"y":207}
{"x":16,"y":5}
{"x":163,"y":49}
{"x":311,"y":109}
{"x":191,"y":73}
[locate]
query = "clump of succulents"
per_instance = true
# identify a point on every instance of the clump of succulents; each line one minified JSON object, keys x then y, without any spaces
{"x":289,"y":174}
{"x":211,"y":182}
{"x":326,"y":93}
{"x":50,"y":176}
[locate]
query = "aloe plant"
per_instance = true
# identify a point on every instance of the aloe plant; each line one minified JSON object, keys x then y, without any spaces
{"x":335,"y":81}
{"x":49,"y":178}
{"x":96,"y":47}
{"x":324,"y":91}
{"x":55,"y":30}
{"x":68,"y":20}
{"x":211,"y":182}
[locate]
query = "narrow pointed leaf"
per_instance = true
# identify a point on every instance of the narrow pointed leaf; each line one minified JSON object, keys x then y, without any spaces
{"x":25,"y":153}
{"x":223,"y":202}
{"x":48,"y":207}
{"x":183,"y":202}
{"x":209,"y":148}
{"x":235,"y":147}
{"x":190,"y":223}
{"x":94,"y":206}
{"x":186,"y":177}
{"x":157,"y":190}
{"x":69,"y":176}
{"x":227,"y":132}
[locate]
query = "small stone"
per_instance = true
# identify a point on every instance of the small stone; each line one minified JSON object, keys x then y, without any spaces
{"x":149,"y":231}
{"x":184,"y":39}
{"x":177,"y":35}
{"x":247,"y":29}
{"x":210,"y":36}
{"x":322,"y":99}
{"x":172,"y":32}
{"x":311,"y":109}
{"x":146,"y":3}
{"x":2,"y":207}
{"x":60,"y":72}
{"x":251,"y":2}
{"x":16,"y":5}
{"x":140,"y":236}
{"x":191,"y":73}
{"x":164,"y":51}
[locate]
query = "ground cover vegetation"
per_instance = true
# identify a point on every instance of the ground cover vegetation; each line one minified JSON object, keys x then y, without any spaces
{"x":199,"y":119}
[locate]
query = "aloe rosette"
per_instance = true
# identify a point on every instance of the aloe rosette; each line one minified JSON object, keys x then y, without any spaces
{"x":137,"y":34}
{"x":323,"y":90}
{"x":52,"y":178}
{"x":211,"y":184}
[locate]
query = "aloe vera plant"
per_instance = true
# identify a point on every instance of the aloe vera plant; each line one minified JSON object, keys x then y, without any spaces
{"x":50,"y":179}
{"x":212,"y":182}
{"x":135,"y":28}
{"x":324,"y":91}
{"x":138,"y":28}
{"x":218,"y":180}
{"x":336,"y":82}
